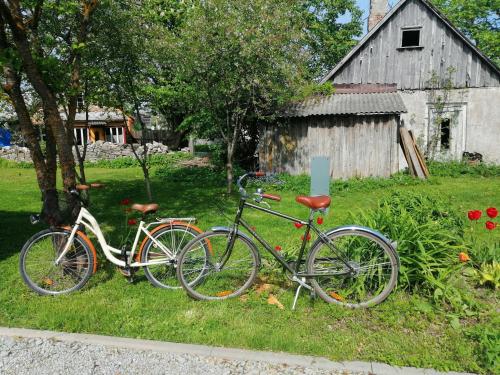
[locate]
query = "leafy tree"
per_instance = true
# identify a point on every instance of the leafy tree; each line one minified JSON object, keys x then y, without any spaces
{"x":479,"y":20}
{"x":243,"y":60}
{"x":40,"y":48}
{"x":329,"y":40}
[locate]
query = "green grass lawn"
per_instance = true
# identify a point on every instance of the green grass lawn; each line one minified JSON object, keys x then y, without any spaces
{"x":399,"y":331}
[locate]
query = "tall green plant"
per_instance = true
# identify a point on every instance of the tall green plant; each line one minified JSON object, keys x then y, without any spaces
{"x":429,"y":237}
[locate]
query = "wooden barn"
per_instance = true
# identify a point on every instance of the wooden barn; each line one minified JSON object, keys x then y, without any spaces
{"x":357,"y":128}
{"x":446,"y":90}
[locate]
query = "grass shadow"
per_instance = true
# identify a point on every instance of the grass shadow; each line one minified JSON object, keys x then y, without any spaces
{"x":15,"y":230}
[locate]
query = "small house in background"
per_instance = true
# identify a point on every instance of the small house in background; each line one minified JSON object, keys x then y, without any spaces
{"x":356,"y":128}
{"x":443,"y":89}
{"x":108,"y":125}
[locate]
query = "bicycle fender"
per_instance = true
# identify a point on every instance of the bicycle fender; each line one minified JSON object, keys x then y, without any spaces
{"x":348,"y":228}
{"x":239,"y":233}
{"x":156,"y":229}
{"x":89,"y":243}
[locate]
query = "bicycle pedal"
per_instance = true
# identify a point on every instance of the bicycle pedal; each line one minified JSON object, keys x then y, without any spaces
{"x":313,"y":296}
{"x":127,"y":272}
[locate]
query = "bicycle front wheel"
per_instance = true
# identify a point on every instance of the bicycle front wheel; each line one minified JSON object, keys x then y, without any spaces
{"x":355,"y":269}
{"x":39,"y":270}
{"x":174,"y":238}
{"x":228,"y":270}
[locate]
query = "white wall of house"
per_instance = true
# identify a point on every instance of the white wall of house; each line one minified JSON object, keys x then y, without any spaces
{"x":474,"y":115}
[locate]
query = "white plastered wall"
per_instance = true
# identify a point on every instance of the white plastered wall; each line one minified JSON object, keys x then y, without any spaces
{"x":481,"y":111}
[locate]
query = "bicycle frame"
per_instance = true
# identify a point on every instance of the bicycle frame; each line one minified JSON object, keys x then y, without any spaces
{"x":309,"y":225}
{"x":86,"y":219}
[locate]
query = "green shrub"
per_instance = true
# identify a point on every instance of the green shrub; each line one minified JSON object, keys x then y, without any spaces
{"x":429,"y":238}
{"x":5,"y":163}
{"x":201,"y":176}
{"x":301,"y":184}
{"x":488,"y":275}
{"x":487,"y":337}
{"x":171,"y":158}
{"x":457,"y":169}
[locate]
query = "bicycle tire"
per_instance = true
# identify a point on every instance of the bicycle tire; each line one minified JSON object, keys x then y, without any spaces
{"x":349,"y":289}
{"x":169,"y":279}
{"x":78,"y":265}
{"x":205,"y":288}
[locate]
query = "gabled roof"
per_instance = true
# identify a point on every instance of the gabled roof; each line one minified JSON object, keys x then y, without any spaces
{"x":375,"y":103}
{"x":388,"y":16}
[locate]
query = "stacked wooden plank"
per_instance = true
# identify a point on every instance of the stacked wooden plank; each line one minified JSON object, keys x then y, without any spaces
{"x":413,"y":155}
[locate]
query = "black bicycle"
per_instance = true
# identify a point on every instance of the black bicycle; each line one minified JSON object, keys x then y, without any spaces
{"x":350,"y":265}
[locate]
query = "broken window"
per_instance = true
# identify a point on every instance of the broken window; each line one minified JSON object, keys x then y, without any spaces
{"x":445,"y":134}
{"x":411,"y":38}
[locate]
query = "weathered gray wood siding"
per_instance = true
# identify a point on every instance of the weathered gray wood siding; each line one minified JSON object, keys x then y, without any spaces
{"x":358,"y":146}
{"x":381,"y":60}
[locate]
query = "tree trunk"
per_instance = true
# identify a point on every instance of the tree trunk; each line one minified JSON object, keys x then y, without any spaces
{"x":45,"y":166}
{"x":147,"y":182}
{"x":12,"y":14}
{"x":144,"y":161}
{"x":229,"y":169}
{"x":231,"y":146}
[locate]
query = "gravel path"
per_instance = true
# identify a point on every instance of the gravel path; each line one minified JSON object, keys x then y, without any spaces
{"x":49,"y":356}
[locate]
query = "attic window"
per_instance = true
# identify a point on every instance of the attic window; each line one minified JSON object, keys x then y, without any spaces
{"x":410,"y":38}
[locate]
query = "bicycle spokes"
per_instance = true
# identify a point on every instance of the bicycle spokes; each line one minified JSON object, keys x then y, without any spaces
{"x":355,"y":271}
{"x":227,"y":270}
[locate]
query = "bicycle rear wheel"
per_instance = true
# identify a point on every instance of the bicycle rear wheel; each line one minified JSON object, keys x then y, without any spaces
{"x":37,"y":263}
{"x":373,"y":275}
{"x":173,"y":237}
{"x":226,"y":272}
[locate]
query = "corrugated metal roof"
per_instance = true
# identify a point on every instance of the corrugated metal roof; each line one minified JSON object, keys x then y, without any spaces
{"x":101,"y":115}
{"x":348,"y":104}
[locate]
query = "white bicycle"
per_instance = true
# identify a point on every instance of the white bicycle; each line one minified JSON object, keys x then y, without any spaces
{"x":62,"y":260}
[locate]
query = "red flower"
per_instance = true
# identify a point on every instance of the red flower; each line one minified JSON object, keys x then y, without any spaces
{"x":277,"y":248}
{"x":463,"y":257}
{"x":492,"y":212}
{"x":308,"y":237}
{"x":474,"y":214}
{"x":319,"y":220}
{"x":298,"y":225}
{"x":128,"y":209}
{"x":125,"y":202}
{"x":490,"y":225}
{"x":132,"y":221}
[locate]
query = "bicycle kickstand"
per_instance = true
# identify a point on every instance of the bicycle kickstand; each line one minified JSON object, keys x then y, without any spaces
{"x":297,"y":293}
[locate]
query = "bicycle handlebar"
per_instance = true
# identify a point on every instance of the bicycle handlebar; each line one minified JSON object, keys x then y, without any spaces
{"x":271,"y":196}
{"x":241,"y":189}
{"x":243,"y":192}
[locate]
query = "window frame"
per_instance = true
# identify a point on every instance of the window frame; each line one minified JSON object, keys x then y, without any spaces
{"x":116,"y":134}
{"x":411,"y":28}
{"x":84,"y":136}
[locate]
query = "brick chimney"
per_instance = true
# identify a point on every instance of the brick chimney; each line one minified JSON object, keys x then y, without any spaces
{"x":378,"y":9}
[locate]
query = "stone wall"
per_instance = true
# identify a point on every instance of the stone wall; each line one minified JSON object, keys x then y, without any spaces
{"x":95,"y":151}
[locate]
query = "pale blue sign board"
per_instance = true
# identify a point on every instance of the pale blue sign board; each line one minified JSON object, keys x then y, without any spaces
{"x":320,"y":175}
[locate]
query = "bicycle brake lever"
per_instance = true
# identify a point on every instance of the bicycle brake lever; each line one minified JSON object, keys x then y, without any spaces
{"x":267,"y":204}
